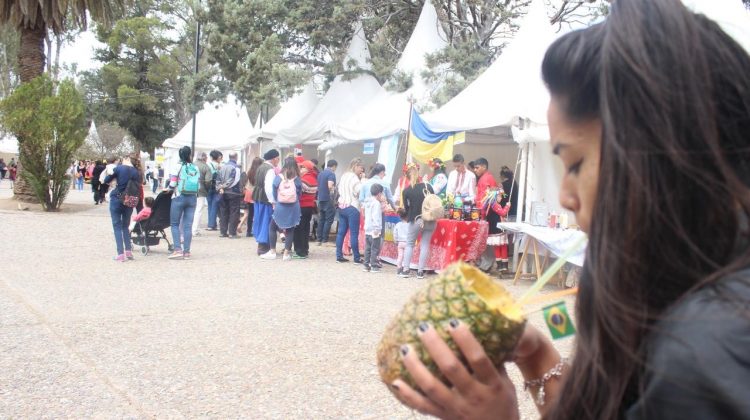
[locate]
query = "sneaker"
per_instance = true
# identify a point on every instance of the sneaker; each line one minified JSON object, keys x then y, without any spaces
{"x":359,"y":261}
{"x":233,"y":236}
{"x":405,"y":274}
{"x":211,"y":229}
{"x":119,"y":258}
{"x":299,"y":257}
{"x":420,"y":274}
{"x":176,"y":255}
{"x":197,"y":233}
{"x":270,"y":255}
{"x":186,"y":255}
{"x":223,"y":235}
{"x":286,"y":257}
{"x":320,"y":243}
{"x":374,"y":269}
{"x":366,"y":268}
{"x":129,"y":255}
{"x":377,"y":264}
{"x":342,"y":260}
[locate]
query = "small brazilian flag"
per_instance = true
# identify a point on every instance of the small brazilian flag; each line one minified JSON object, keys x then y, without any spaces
{"x":559,"y":322}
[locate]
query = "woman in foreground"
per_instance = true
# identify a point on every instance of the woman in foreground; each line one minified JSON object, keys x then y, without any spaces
{"x":650,"y":114}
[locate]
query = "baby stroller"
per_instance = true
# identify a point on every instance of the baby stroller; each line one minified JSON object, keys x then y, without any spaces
{"x":146,"y":232}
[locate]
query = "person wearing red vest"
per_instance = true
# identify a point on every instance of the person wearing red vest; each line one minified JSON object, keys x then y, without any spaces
{"x":307,"y":206}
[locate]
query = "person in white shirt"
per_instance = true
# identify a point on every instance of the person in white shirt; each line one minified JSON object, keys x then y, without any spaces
{"x":462,"y":182}
{"x":349,"y":188}
{"x":400,"y":235}
{"x":373,"y":227}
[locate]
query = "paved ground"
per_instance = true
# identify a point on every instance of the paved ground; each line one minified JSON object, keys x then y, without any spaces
{"x":223,"y":335}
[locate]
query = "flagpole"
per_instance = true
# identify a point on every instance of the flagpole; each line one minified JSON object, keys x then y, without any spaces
{"x":408,"y":128}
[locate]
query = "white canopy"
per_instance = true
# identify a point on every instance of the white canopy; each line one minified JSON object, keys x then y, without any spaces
{"x":343,"y":98}
{"x":388,"y":112}
{"x":510,"y":88}
{"x":290,"y":113}
{"x":222,"y":126}
{"x":9,"y":145}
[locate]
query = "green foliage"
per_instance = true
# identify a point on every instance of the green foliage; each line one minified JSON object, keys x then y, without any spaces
{"x":48,"y":121}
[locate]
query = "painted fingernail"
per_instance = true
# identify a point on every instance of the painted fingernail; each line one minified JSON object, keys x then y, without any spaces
{"x":454,"y":323}
{"x":395,"y":387}
{"x":423,"y":327}
{"x":404,"y":350}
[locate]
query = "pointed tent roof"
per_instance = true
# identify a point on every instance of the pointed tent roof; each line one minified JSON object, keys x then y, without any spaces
{"x":223,"y":126}
{"x":343,"y":98}
{"x":510,"y":88}
{"x":388,"y":113}
{"x":290,"y":113}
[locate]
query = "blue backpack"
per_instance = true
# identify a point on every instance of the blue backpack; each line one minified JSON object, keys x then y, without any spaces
{"x":188,"y":181}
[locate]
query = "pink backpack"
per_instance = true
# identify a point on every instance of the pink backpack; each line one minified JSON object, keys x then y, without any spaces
{"x":287,"y":193}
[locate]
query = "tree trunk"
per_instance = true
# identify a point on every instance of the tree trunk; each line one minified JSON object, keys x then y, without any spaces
{"x":30,"y":65}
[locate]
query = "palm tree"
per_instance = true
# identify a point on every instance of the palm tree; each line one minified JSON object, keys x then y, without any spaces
{"x":33,"y":18}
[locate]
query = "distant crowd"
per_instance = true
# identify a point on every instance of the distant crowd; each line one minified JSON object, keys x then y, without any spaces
{"x":296,"y":201}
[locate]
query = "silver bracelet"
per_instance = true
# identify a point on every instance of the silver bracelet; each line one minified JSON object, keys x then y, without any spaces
{"x":555,"y":372}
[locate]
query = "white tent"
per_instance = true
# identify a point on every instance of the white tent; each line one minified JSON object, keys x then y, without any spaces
{"x":222,"y":126}
{"x":511,"y":88}
{"x":344,"y":98}
{"x":290,"y":113}
{"x":9,"y":145}
{"x":388,"y":113}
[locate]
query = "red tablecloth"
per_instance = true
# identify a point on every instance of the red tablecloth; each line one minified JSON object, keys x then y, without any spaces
{"x":452,"y":241}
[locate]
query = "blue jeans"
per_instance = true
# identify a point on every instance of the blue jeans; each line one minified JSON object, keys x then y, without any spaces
{"x":214,"y":199}
{"x":348,"y":221}
{"x":120,"y":224}
{"x":326,"y":212}
{"x":79,"y":183}
{"x":182,"y":210}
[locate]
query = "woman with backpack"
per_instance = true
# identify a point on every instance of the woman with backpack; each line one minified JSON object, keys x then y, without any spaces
{"x":123,"y":198}
{"x":414,"y":196}
{"x":184,"y":182}
{"x":287,"y":189}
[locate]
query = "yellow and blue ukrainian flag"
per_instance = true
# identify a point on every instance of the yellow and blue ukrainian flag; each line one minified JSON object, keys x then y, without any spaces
{"x":425,"y":144}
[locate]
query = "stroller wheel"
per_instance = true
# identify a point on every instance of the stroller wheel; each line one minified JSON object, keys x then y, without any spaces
{"x":170,"y":248}
{"x":144,"y":250}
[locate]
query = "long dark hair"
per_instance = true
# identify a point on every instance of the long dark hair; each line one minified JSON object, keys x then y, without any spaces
{"x":252,"y":172}
{"x":377,"y":169}
{"x":290,"y":168}
{"x":672,"y":91}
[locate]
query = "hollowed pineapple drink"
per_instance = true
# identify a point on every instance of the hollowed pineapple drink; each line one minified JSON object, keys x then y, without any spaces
{"x":462,"y":292}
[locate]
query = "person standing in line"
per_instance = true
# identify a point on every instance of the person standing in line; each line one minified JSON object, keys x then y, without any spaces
{"x":160,"y":178}
{"x":119,"y":212}
{"x":327,"y":200}
{"x":249,"y":190}
{"x":373,"y":228}
{"x":413,"y":199}
{"x":377,"y":176}
{"x":400,"y":236}
{"x":213,"y":198}
{"x":264,"y":201}
{"x":12,"y":171}
{"x":3,"y":169}
{"x":96,"y":184}
{"x":287,"y":189}
{"x":349,"y":189}
{"x":462,"y":182}
{"x":230,"y":193}
{"x":307,"y":208}
{"x":80,"y":175}
{"x":184,"y":182}
{"x":108,"y":170}
{"x":205,"y":183}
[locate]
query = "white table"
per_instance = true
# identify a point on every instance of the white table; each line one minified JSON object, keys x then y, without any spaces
{"x":553,"y":241}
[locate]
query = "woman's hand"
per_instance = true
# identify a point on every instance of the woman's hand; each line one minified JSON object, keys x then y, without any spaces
{"x":487,"y":393}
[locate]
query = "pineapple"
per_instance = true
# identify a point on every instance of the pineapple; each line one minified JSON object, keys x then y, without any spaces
{"x":462,"y":292}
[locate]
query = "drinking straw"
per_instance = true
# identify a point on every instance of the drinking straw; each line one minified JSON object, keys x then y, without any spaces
{"x":551,"y":271}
